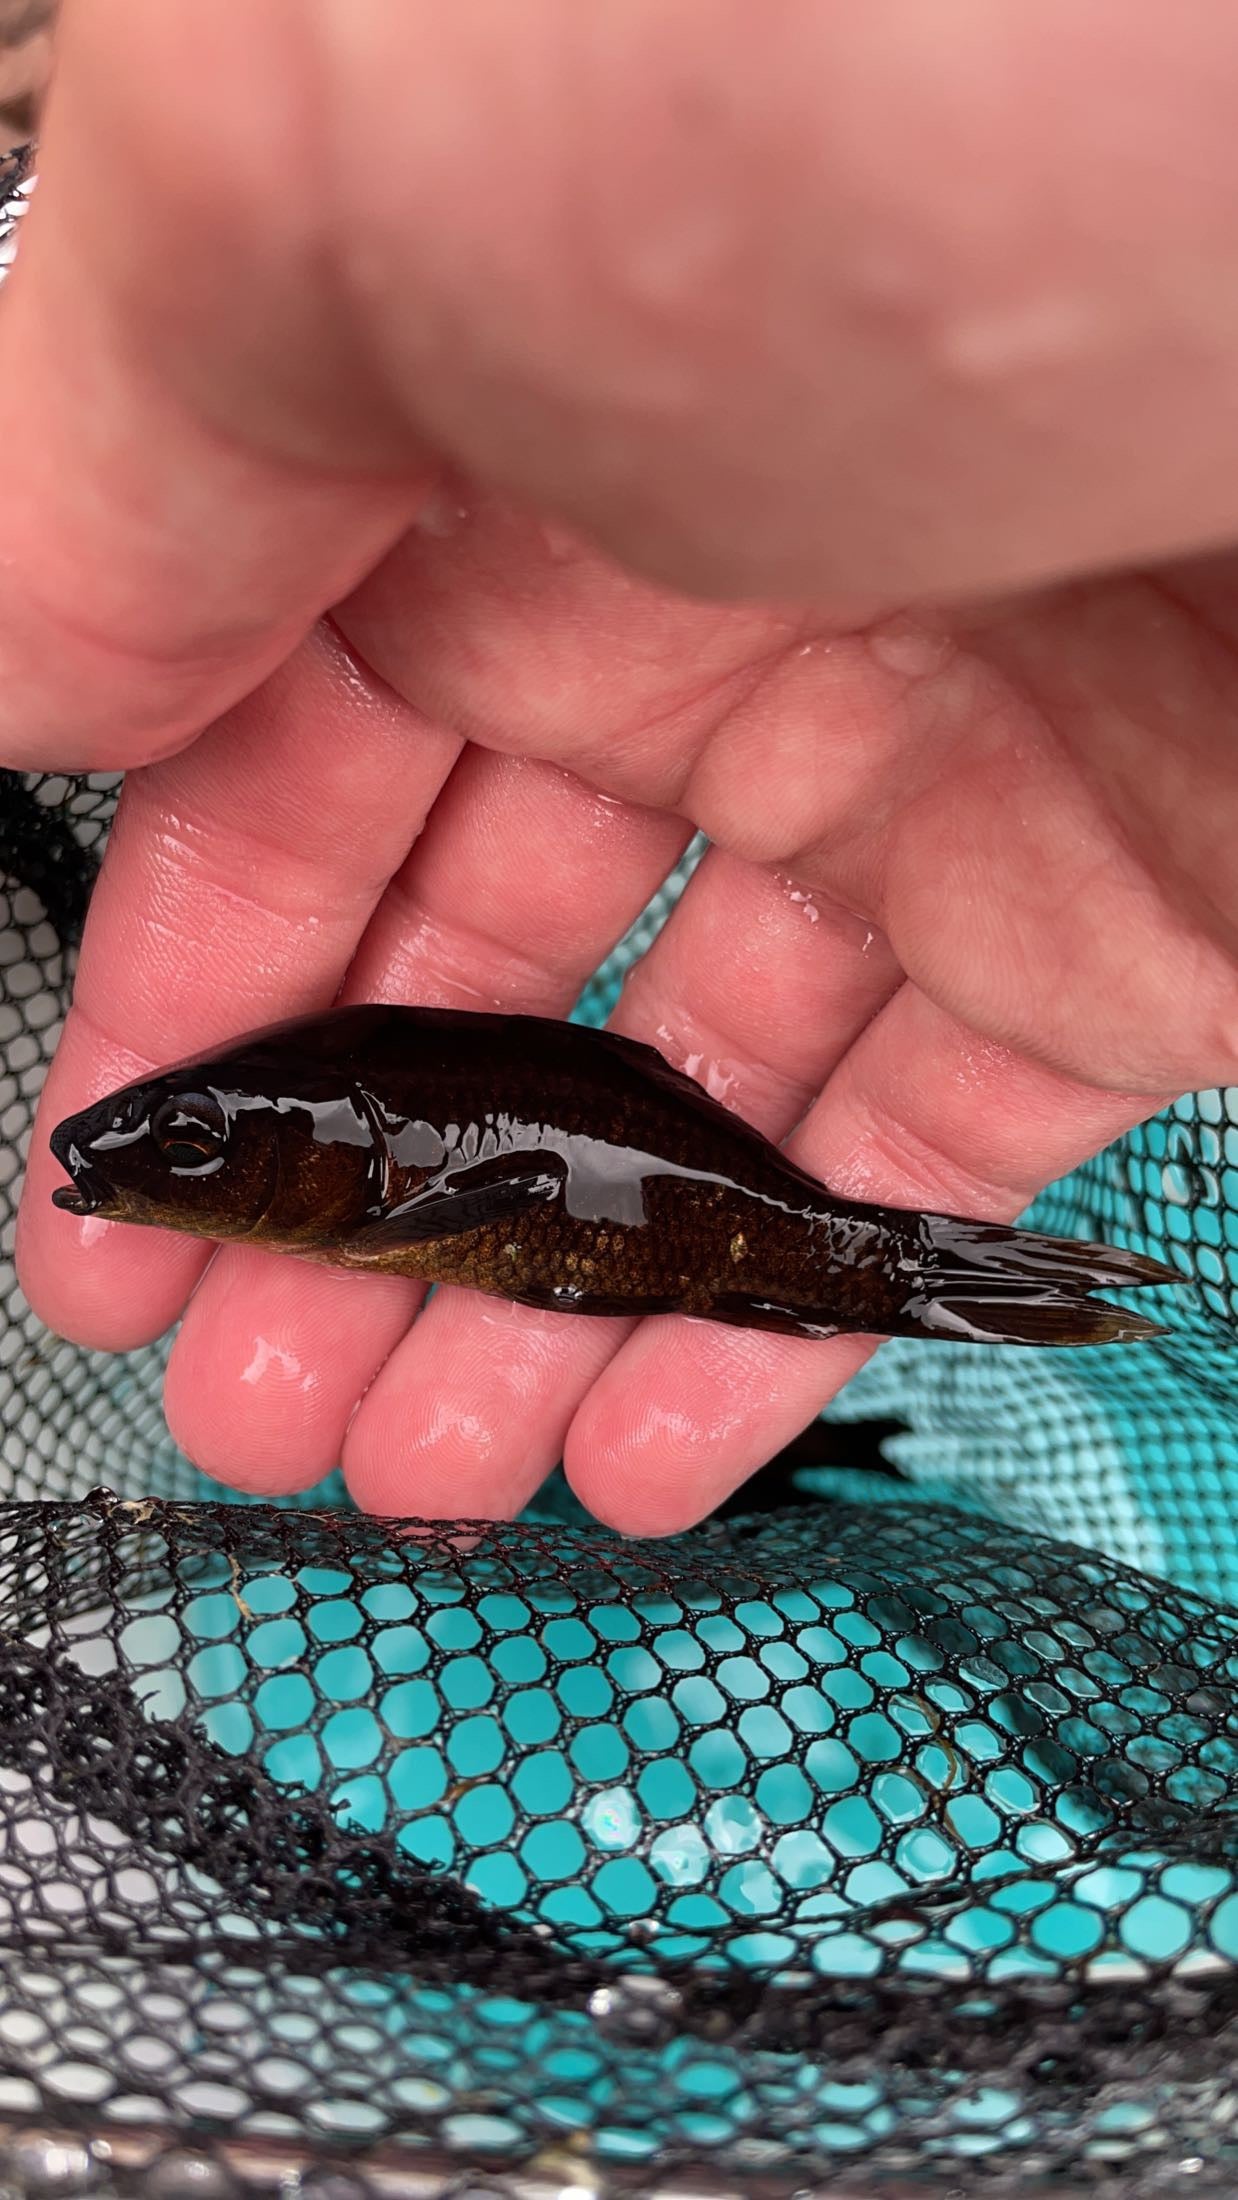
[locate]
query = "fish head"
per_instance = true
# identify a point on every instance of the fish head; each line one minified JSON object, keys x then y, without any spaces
{"x":221,"y":1149}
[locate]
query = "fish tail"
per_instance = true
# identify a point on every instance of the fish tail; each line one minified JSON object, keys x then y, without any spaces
{"x":982,"y":1283}
{"x":913,"y":1275}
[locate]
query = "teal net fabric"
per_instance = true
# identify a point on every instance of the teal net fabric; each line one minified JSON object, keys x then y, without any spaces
{"x":1131,"y":1452}
{"x":879,"y":1835}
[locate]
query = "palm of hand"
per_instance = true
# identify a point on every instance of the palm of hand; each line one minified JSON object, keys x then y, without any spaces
{"x":969,"y":912}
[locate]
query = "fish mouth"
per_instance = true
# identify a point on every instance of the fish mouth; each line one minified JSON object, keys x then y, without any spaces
{"x":82,"y":1197}
{"x":74,"y":1201}
{"x":88,"y":1194}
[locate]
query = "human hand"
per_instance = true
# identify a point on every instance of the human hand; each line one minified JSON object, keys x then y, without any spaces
{"x":1010,"y":823}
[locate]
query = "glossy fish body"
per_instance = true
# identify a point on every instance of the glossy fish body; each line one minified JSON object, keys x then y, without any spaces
{"x":560,"y":1167}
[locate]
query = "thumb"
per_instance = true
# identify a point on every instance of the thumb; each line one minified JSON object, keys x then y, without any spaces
{"x":160,"y":558}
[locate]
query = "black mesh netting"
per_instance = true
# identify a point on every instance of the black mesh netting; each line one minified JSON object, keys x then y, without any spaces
{"x":871,"y":1842}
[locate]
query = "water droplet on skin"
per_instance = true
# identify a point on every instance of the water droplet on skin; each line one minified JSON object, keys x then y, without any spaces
{"x":560,"y":542}
{"x":442,"y":514}
{"x":907,"y":647}
{"x":702,"y":1068}
{"x":268,"y":1358}
{"x":718,"y":1082}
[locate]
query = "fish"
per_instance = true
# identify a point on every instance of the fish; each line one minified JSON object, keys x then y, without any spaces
{"x":561,"y":1167}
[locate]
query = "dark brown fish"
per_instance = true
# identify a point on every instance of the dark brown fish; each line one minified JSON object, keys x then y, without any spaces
{"x":563,"y":1167}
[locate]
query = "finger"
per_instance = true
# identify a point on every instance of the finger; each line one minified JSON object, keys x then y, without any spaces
{"x":920,"y":1113}
{"x":526,"y":880}
{"x":755,"y":986}
{"x":468,"y":1416}
{"x":928,"y":364}
{"x":164,"y":552}
{"x":237,"y":882}
{"x":269,"y":1362}
{"x":1031,"y":802}
{"x":521,"y":882}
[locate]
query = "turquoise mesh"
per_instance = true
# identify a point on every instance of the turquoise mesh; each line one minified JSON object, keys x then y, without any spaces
{"x":1131,"y":1451}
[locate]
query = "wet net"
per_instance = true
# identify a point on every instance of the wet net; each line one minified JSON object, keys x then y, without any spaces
{"x":870,"y":1835}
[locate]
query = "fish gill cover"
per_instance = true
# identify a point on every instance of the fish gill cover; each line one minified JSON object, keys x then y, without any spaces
{"x":872,"y":1834}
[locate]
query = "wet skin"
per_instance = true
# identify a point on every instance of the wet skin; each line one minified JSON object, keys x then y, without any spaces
{"x":560,"y":1167}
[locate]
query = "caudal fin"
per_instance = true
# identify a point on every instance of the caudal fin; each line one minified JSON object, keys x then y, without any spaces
{"x":975,"y":1282}
{"x":980,"y":1282}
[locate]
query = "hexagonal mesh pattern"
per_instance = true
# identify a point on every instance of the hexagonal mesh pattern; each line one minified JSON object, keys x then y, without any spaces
{"x":866,"y":1841}
{"x":757,"y":1847}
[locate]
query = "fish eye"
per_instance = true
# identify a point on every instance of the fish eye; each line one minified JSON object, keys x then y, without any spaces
{"x":190,"y":1131}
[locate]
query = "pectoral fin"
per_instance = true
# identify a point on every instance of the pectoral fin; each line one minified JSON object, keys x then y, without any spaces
{"x":466,"y":1198}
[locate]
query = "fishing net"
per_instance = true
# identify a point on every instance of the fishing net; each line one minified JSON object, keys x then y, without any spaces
{"x":872,"y":1834}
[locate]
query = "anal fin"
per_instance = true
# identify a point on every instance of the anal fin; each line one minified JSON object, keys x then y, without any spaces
{"x":780,"y":1319}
